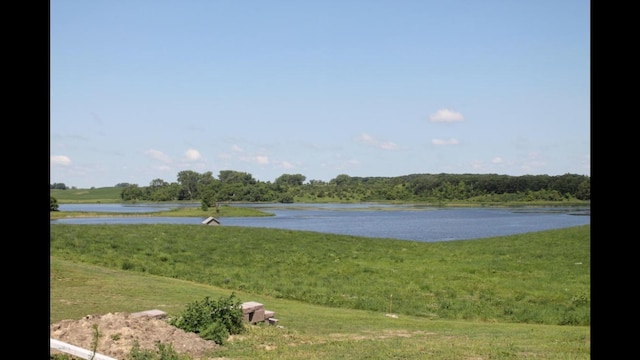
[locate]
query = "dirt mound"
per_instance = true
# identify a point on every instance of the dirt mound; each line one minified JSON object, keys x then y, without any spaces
{"x":118,"y":332}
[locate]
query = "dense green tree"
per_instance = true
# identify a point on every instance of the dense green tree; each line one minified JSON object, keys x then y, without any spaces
{"x":133,"y":193}
{"x":290,"y":180}
{"x":206,"y":179}
{"x":60,"y":186}
{"x":189,"y":180}
{"x":260,"y":192}
{"x":584,"y":190}
{"x":53,"y":204}
{"x":341,"y":180}
{"x":157,"y":183}
{"x":241,"y":186}
{"x":567,"y":183}
{"x":230,"y":176}
{"x":167,"y":192}
{"x":208,"y":197}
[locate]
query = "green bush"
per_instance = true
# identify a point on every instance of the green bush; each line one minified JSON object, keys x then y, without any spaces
{"x":215,"y":332}
{"x":212,"y":320}
{"x":53,"y":204}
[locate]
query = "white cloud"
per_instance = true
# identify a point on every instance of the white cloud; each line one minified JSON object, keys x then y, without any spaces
{"x":367,"y":139}
{"x":370,"y":140}
{"x":262,"y":160}
{"x":60,"y":160}
{"x":255,"y":159}
{"x":193,"y":154}
{"x":445,"y":142}
{"x":497,"y":160}
{"x":446,"y":115}
{"x":158,"y":155}
{"x":236,"y":148}
{"x":388,"y":145}
{"x":285,"y":165}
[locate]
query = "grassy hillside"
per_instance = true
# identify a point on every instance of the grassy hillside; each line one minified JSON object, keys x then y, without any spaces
{"x":95,"y":195}
{"x":541,"y":278}
{"x":309,"y":331}
{"x":497,"y":298}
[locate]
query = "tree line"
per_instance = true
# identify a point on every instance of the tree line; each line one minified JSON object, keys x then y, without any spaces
{"x":241,"y":186}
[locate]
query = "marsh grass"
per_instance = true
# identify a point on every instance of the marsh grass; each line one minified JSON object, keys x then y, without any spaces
{"x":536,"y":278}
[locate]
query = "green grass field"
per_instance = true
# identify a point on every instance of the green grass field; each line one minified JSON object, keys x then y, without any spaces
{"x":223,"y":211}
{"x":522,"y":296}
{"x":95,"y":195}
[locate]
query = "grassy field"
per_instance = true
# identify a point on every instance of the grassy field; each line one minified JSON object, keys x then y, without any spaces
{"x":222,"y":211}
{"x":95,"y":195}
{"x":521,"y":296}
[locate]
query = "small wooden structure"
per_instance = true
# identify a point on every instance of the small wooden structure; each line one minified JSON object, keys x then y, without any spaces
{"x":211,"y":221}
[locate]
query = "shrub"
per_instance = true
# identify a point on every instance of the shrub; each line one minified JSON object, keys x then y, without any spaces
{"x":212,"y":320}
{"x":216,"y":332}
{"x":53,"y":204}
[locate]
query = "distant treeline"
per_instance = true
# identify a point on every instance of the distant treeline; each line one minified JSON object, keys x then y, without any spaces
{"x":63,"y":186}
{"x":60,"y":186}
{"x":241,"y":186}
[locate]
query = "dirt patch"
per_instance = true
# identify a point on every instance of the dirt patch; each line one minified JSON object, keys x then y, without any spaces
{"x":118,"y":332}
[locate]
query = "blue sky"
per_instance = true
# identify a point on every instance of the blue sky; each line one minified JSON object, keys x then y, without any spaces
{"x":141,"y":90}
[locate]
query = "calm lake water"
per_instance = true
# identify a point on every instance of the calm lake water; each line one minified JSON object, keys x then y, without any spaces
{"x":404,"y":222}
